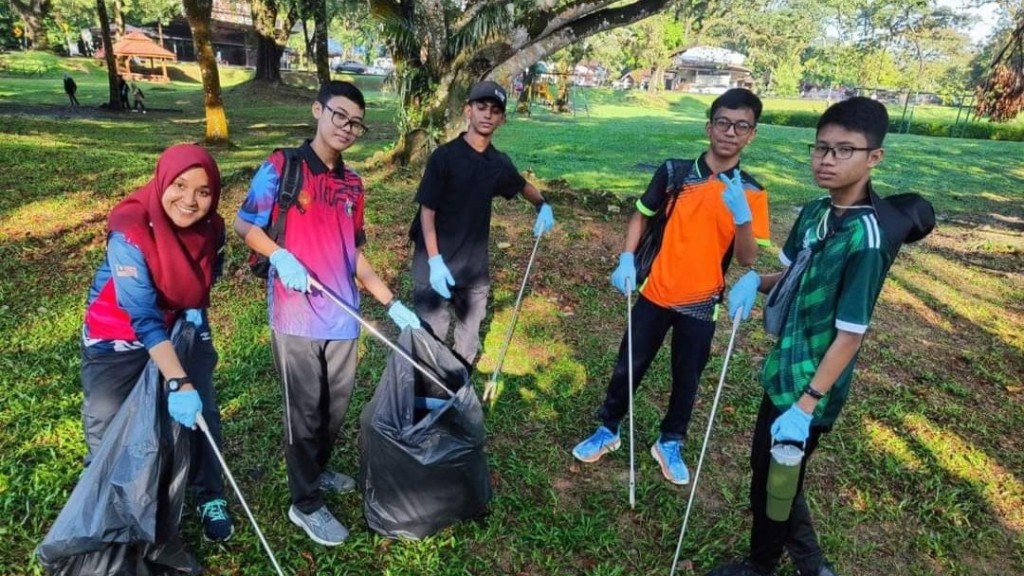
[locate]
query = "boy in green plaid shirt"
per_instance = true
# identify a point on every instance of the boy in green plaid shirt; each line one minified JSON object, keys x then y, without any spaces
{"x":837,"y":255}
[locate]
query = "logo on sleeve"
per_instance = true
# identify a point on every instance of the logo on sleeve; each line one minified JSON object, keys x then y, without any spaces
{"x":125,"y":271}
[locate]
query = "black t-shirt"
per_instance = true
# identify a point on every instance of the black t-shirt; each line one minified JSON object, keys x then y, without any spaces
{"x":459,"y":184}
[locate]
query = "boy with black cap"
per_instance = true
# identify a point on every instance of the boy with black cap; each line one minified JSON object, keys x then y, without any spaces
{"x":450,"y":266}
{"x":837,"y":257}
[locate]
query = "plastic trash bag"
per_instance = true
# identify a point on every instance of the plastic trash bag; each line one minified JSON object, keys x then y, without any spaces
{"x":122,"y":517}
{"x":422,"y":461}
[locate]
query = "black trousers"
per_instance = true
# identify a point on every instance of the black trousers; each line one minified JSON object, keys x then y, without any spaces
{"x":691,"y":346}
{"x":768,"y":538}
{"x":108,"y":378}
{"x":317,"y":377}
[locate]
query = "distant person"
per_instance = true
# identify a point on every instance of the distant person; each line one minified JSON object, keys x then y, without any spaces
{"x":314,"y":341}
{"x":70,"y":88}
{"x":122,"y":91}
{"x":140,"y":105}
{"x":695,"y":217}
{"x":451,"y":229}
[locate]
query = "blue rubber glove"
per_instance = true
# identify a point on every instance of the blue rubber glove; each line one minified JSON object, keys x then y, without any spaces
{"x":793,"y":425}
{"x":545,"y":220}
{"x":402,"y":316}
{"x":195,"y":316}
{"x":743,"y":294}
{"x":183,"y":406}
{"x":440,"y":276}
{"x":624,"y":277}
{"x":735,"y":198}
{"x":289,"y":271}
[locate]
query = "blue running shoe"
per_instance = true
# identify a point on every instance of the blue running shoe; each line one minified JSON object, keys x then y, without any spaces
{"x":671,"y":462}
{"x":602,"y":442}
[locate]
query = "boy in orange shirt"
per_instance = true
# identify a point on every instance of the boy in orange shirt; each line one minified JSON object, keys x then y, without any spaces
{"x":693,"y":218}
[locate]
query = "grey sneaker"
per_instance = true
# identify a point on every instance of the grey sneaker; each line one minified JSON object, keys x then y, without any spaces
{"x":320,"y":525}
{"x":331,"y":481}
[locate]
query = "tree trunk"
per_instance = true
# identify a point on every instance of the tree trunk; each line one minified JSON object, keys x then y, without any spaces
{"x":114,"y":99}
{"x":321,"y":20}
{"x":33,"y":13}
{"x":268,"y":60}
{"x":437,"y":60}
{"x":307,"y":41}
{"x":270,"y":40}
{"x":118,"y":21}
{"x":198,"y":14}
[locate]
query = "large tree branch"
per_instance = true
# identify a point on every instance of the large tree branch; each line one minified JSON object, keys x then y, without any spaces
{"x":533,"y":49}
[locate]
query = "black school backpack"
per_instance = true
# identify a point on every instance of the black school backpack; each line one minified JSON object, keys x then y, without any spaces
{"x":287,"y":191}
{"x":650,"y":241}
{"x":906,"y":218}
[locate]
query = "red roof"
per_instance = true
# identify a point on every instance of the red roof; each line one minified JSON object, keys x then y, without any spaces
{"x":138,"y":44}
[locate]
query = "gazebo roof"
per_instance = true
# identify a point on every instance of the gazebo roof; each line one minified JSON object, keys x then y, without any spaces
{"x":138,"y":44}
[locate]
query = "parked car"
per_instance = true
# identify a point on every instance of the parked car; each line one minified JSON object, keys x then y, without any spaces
{"x":351,"y":67}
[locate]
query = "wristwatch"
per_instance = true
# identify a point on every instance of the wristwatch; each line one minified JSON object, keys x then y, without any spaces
{"x":813,"y":393}
{"x":175,"y":384}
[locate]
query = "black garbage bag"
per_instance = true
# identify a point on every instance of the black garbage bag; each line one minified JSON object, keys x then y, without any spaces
{"x":123,"y":515}
{"x":422,"y":461}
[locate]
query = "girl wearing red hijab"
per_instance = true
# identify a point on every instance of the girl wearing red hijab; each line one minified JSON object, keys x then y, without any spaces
{"x":163,"y":253}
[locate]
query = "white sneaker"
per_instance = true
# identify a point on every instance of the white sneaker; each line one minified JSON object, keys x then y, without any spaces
{"x":320,"y":525}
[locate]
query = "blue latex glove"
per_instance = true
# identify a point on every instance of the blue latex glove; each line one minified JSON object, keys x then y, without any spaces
{"x":545,"y":220}
{"x":735,"y":198}
{"x":289,"y":271}
{"x":402,"y":316}
{"x":743,"y":294}
{"x":624,"y":277}
{"x":793,"y":425}
{"x":440,"y":276}
{"x":195,"y":316}
{"x":183,"y":406}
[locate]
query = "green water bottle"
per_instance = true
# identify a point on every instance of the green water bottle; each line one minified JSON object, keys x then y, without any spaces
{"x":783,"y":479}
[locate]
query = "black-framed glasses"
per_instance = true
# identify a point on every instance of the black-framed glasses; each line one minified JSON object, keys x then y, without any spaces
{"x":341,"y":120}
{"x":742,"y":128}
{"x":820,"y":151}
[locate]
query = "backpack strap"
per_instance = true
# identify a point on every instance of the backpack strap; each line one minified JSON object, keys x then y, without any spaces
{"x":287,"y":191}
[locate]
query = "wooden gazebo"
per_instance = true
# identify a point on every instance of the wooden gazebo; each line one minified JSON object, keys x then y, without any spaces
{"x":138,"y":45}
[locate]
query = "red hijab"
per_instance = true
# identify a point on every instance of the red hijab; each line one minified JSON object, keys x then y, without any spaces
{"x":180,"y":260}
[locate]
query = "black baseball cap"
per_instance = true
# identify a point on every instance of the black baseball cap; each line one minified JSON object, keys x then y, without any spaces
{"x":488,"y":90}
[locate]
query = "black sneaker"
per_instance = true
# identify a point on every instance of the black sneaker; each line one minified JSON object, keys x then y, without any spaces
{"x":217,"y":525}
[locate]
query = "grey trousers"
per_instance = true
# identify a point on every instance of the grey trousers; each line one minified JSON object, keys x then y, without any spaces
{"x":317,"y":377}
{"x":108,"y":378}
{"x":469,"y":307}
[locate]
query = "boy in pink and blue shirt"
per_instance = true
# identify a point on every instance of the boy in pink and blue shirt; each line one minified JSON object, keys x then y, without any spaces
{"x":313,"y":340}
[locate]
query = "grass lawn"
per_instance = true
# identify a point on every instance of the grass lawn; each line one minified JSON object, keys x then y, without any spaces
{"x":924,"y":473}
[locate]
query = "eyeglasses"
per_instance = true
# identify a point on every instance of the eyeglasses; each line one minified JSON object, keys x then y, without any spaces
{"x":742,"y":128}
{"x":341,"y":120}
{"x":820,"y":151}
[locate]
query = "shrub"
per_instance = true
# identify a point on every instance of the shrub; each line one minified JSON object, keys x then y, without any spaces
{"x":978,"y":130}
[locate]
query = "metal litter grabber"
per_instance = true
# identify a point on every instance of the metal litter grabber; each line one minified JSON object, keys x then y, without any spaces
{"x":490,"y":390}
{"x":629,"y":351}
{"x":201,"y":422}
{"x":428,"y":374}
{"x":707,"y":436}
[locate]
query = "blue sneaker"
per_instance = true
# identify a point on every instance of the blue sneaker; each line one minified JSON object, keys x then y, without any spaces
{"x":602,"y":442}
{"x":671,"y":462}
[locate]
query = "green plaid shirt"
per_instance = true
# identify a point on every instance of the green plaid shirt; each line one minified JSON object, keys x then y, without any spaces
{"x":837,"y":291}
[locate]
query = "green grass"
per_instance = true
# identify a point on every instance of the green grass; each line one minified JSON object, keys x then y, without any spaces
{"x":924,"y":473}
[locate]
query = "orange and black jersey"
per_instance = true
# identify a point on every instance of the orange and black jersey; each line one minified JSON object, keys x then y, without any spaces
{"x":688,"y":272}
